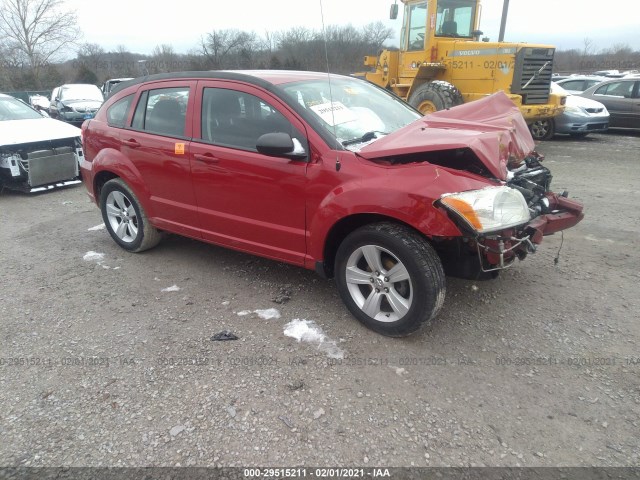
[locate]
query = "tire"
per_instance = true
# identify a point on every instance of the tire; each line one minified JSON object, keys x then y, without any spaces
{"x":394,"y":309}
{"x":542,"y":129}
{"x":125,"y":219}
{"x":435,"y":95}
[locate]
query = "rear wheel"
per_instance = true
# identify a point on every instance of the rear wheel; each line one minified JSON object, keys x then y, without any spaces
{"x":542,"y":129}
{"x":125,"y":218}
{"x":390,"y":278}
{"x":435,"y":95}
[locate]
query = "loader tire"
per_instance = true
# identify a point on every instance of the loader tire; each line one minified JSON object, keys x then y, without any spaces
{"x":435,"y":95}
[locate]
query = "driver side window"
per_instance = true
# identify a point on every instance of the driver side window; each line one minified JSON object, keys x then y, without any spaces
{"x":237,"y":119}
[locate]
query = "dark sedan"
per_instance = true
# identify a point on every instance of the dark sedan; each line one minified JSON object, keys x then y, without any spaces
{"x":622,"y":99}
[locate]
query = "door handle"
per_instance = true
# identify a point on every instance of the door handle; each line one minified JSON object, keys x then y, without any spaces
{"x":206,"y":158}
{"x":131,"y":143}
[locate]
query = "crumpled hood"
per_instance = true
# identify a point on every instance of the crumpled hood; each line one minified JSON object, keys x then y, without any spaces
{"x":16,"y":132}
{"x":492,"y":127}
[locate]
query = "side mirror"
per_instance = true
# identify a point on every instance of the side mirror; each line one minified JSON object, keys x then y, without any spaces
{"x":280,"y":144}
{"x":393,"y":13}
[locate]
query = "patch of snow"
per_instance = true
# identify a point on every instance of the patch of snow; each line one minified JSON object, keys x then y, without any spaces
{"x":268,"y":314}
{"x":102,"y":226}
{"x":308,"y":331}
{"x":92,"y":256}
{"x":172,"y":288}
{"x":242,"y":313}
{"x":399,"y":371}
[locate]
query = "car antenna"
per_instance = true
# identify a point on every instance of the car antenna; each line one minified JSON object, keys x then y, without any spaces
{"x":326,"y":56}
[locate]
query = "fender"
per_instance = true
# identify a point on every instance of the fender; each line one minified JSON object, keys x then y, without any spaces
{"x":392,"y":183}
{"x":113,"y":161}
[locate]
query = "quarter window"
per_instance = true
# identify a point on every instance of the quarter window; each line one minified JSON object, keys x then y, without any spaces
{"x":162,"y":111}
{"x":237,"y":119}
{"x":117,"y":113}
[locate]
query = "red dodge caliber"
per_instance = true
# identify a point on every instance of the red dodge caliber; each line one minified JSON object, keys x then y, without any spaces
{"x":329,"y":173}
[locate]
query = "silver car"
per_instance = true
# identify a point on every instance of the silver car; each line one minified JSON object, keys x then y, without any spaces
{"x":579,"y":83}
{"x":580,"y":117}
{"x":76,"y":102}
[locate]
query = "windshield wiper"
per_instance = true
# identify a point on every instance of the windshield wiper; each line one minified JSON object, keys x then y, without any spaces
{"x":364,"y":138}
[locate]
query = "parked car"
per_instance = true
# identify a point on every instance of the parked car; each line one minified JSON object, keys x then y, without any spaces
{"x":76,"y":102}
{"x":111,"y":83}
{"x":579,"y":84}
{"x":40,"y":103}
{"x":339,"y":176}
{"x":581,"y":116}
{"x":621,"y":97}
{"x":35,"y":150}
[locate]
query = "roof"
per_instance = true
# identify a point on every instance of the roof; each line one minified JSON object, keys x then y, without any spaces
{"x":263,"y":78}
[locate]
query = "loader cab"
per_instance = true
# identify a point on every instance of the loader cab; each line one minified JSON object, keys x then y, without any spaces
{"x":444,"y":18}
{"x":455,"y":18}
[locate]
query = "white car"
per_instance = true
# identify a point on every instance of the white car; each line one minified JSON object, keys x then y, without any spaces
{"x":35,"y":150}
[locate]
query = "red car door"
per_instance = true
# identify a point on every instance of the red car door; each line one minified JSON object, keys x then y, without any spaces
{"x":157,"y":144}
{"x":246,"y":200}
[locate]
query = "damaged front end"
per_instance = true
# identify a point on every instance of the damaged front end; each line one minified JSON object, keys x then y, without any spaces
{"x":507,"y":222}
{"x":37,"y":164}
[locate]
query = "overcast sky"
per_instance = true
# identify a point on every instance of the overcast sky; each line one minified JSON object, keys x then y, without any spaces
{"x":141,"y":25}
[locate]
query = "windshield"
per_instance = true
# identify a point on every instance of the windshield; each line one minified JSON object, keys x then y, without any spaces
{"x":358,"y":108}
{"x":12,"y":109}
{"x":455,"y":18}
{"x":81,"y":92}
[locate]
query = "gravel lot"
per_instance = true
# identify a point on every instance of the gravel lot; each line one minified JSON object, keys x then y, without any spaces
{"x":101,"y":367}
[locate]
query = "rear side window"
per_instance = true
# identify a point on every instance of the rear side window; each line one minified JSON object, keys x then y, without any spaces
{"x":117,"y":113}
{"x":162,"y":111}
{"x":616,"y":89}
{"x":237,"y":119}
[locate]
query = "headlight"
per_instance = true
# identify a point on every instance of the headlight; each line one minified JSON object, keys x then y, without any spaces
{"x":573,"y":109}
{"x":489,"y":209}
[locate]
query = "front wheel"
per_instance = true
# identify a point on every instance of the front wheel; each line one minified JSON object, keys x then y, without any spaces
{"x":542,"y":129}
{"x":390,"y":278}
{"x":435,"y":95}
{"x":125,"y":218}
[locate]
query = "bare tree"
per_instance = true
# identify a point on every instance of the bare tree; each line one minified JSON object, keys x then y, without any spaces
{"x":219,"y":45}
{"x":39,"y":30}
{"x":92,"y":56}
{"x":587,"y":46}
{"x":376,"y":34}
{"x":164,"y":59}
